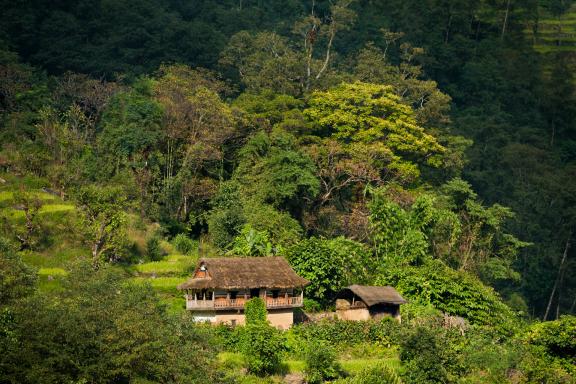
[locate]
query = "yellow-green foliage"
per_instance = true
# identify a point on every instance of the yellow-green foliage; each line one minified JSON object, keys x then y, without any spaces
{"x":52,"y":272}
{"x":171,"y":264}
{"x":161,"y":284}
{"x":373,"y":115}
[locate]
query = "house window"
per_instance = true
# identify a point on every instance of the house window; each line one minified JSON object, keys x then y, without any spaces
{"x":275,"y":293}
{"x":233,"y":295}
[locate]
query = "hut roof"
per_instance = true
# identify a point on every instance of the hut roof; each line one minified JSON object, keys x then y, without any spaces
{"x":245,"y":272}
{"x":372,"y":295}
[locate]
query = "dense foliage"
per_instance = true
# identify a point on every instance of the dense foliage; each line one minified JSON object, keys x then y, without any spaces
{"x":100,"y":329}
{"x":261,"y":344}
{"x":426,"y":145}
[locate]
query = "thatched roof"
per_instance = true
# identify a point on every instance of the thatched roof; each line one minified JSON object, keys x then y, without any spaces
{"x":245,"y":272}
{"x":372,"y":295}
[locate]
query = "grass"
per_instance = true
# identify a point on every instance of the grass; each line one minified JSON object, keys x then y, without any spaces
{"x":170,"y":265}
{"x":45,"y":285}
{"x":48,"y":210}
{"x":231,"y":359}
{"x":161,"y":284}
{"x":9,"y":195}
{"x":175,"y":305}
{"x":234,"y":361}
{"x":352,"y":366}
{"x":552,"y":29}
{"x":55,"y":257}
{"x":52,"y":272}
{"x":164,"y":276}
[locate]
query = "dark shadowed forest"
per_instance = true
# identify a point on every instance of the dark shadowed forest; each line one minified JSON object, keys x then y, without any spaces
{"x":425,"y":145}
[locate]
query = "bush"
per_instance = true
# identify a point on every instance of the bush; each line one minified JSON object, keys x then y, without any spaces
{"x":557,"y":338}
{"x":255,"y":311}
{"x":377,"y":374}
{"x":229,"y":336}
{"x":429,"y":356}
{"x":321,"y":363}
{"x":262,"y":347}
{"x":330,"y":265}
{"x":341,"y":332}
{"x":153,"y":250}
{"x":455,"y":292}
{"x":184,"y":244}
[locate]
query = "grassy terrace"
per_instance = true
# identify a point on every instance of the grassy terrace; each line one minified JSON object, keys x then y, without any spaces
{"x":52,"y":259}
{"x":554,"y":34}
{"x":352,"y":360}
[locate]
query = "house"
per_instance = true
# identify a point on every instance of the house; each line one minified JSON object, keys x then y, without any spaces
{"x":220,"y":287}
{"x":360,"y":302}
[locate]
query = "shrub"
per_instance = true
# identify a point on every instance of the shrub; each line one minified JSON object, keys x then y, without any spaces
{"x":153,"y":250}
{"x":255,"y":311}
{"x":377,"y":374}
{"x":330,"y":265}
{"x":321,"y":363}
{"x":455,"y":292}
{"x":558,"y":338}
{"x":229,"y":336}
{"x":184,"y":244}
{"x":427,"y":356}
{"x":262,"y":346}
{"x":340,"y":332}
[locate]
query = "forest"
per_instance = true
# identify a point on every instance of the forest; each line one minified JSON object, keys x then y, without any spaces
{"x":425,"y":145}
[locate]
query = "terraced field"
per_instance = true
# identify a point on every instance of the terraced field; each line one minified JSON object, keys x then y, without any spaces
{"x":55,"y":217}
{"x":165,"y":275}
{"x":555,"y":34}
{"x":63,"y":244}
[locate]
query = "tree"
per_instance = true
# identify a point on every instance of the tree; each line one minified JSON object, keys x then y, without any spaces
{"x":273,"y":170}
{"x":251,"y":242}
{"x":102,"y":329}
{"x":103,"y":221}
{"x":431,"y":106}
{"x":196,"y":125}
{"x":30,"y":205}
{"x":262,"y":344}
{"x":321,"y":362}
{"x":314,"y":29}
{"x":400,"y":236}
{"x":17,"y":280}
{"x":255,"y":311}
{"x":373,"y":115}
{"x":264,"y":60}
{"x":330,"y":265}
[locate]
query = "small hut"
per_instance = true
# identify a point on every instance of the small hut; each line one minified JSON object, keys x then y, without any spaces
{"x":360,"y":302}
{"x":220,"y":287}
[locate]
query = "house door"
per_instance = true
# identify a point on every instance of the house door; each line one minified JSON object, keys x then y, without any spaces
{"x":255,"y":292}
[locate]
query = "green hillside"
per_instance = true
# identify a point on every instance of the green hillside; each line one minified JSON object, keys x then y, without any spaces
{"x":429,"y":146}
{"x":554,"y":34}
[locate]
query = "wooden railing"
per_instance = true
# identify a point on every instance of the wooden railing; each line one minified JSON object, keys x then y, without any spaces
{"x":224,"y":303}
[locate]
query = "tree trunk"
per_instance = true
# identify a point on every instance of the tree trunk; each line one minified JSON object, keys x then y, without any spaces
{"x":564,"y":256}
{"x":505,"y":18}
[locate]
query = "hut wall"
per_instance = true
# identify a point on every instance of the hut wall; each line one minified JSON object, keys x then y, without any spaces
{"x":200,"y":317}
{"x":231,"y":317}
{"x":281,"y":318}
{"x":354,"y":314}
